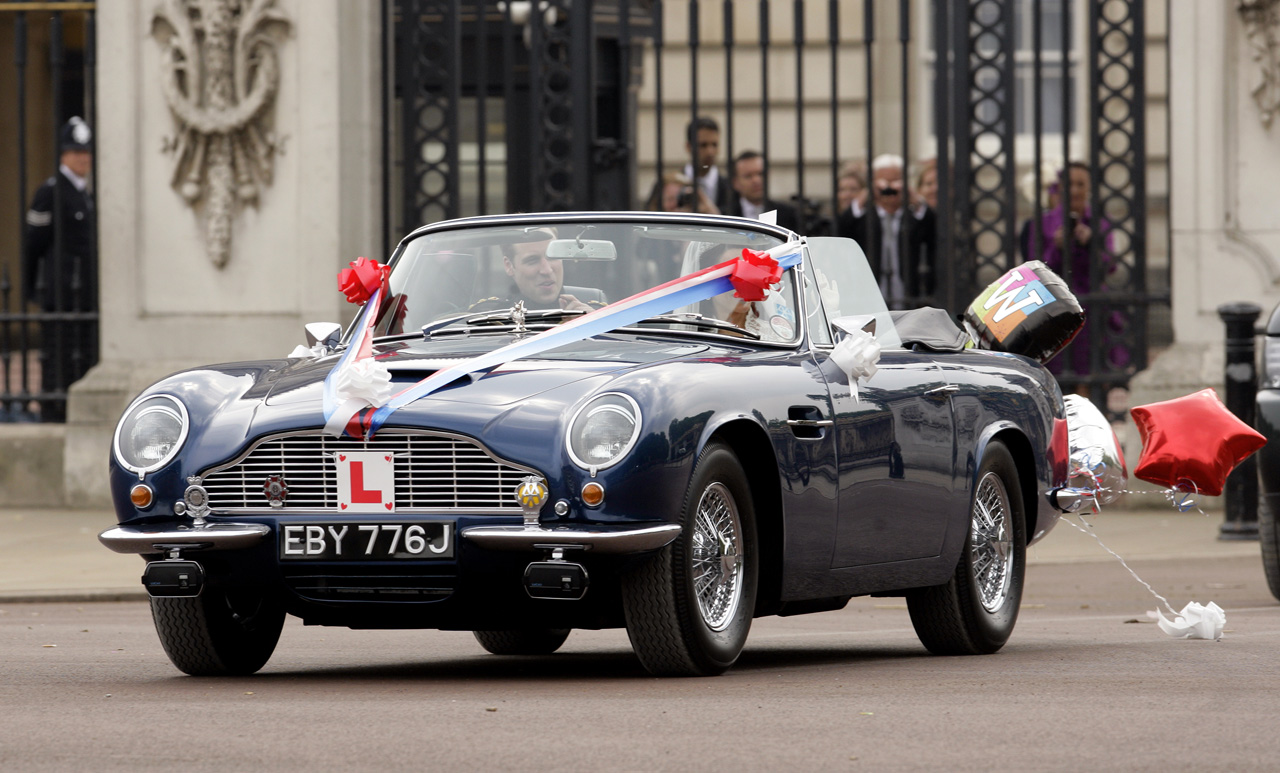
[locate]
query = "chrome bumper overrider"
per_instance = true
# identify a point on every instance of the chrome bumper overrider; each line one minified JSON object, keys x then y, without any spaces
{"x":214,"y":536}
{"x":598,"y":540}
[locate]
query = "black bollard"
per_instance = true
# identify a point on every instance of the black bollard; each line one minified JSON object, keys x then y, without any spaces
{"x":1241,"y":519}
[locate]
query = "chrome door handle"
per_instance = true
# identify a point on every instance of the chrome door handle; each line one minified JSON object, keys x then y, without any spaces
{"x":809,"y":422}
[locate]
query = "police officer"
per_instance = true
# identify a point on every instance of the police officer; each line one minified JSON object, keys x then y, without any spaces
{"x":60,"y":266}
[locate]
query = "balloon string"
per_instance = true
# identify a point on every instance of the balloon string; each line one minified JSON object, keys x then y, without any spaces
{"x":1181,"y":499}
{"x":1087,"y":529}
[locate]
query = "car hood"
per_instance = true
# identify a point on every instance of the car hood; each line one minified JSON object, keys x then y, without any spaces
{"x":410,"y":362}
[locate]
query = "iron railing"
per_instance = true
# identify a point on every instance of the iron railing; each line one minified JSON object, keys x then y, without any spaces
{"x":49,"y":320}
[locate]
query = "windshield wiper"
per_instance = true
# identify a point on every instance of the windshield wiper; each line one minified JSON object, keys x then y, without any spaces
{"x":697,"y":320}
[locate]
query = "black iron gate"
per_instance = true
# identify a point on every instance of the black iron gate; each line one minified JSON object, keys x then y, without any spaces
{"x":523,"y":106}
{"x":48,"y":267}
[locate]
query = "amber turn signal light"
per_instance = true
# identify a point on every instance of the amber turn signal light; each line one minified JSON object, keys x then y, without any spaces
{"x":141,"y":496}
{"x":593,"y":494}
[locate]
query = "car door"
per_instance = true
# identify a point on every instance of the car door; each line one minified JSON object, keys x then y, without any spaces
{"x":895,"y":433}
{"x":895,"y":453}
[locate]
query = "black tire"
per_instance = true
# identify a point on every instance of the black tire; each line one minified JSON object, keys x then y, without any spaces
{"x":1270,"y":539}
{"x":541,"y":641}
{"x":218,"y":634}
{"x":674,"y":629}
{"x":974,"y":613}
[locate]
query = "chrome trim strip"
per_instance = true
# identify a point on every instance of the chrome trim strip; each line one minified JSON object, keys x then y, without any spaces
{"x":598,"y":540}
{"x":215,"y":536}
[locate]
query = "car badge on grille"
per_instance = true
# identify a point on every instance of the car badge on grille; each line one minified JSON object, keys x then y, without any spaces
{"x":276,"y":490}
{"x":196,"y":501}
{"x":532,"y":495}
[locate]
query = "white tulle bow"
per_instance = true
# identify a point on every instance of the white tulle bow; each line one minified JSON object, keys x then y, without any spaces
{"x":857,"y":355}
{"x":363,"y":383}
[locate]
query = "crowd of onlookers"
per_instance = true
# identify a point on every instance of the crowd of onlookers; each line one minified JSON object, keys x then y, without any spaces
{"x":896,"y":224}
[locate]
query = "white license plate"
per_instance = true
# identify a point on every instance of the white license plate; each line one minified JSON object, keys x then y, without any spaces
{"x":329,"y":541}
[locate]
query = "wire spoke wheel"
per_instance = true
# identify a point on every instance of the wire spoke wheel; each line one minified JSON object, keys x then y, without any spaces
{"x":717,"y":557}
{"x":991,"y":541}
{"x":975,"y":611}
{"x":689,"y":606}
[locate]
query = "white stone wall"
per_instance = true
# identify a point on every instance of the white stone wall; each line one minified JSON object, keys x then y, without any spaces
{"x":164,"y":304}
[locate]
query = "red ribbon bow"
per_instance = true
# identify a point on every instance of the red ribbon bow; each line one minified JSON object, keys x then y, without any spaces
{"x":362,"y":279}
{"x":754,"y":274}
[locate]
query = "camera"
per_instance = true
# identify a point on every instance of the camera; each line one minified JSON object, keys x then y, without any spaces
{"x":687,"y":198}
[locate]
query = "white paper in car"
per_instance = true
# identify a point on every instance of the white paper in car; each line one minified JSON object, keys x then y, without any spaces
{"x":770,"y":217}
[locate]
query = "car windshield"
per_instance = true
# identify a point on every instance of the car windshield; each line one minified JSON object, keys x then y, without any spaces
{"x":461,"y":278}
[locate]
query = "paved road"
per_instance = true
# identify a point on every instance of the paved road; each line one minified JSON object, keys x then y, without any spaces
{"x":1079,"y":687}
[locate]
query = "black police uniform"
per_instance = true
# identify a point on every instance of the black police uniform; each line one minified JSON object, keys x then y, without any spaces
{"x":60,"y":271}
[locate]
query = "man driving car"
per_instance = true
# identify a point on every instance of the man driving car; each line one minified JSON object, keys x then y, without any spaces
{"x":537,"y":280}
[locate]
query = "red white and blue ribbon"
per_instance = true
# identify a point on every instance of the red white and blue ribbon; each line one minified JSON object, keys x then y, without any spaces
{"x":342,"y":410}
{"x":747,"y":276}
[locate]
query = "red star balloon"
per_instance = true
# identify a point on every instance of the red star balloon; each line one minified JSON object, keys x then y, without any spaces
{"x":1192,"y":439}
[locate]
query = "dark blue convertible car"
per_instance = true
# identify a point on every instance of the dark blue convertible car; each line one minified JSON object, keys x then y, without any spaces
{"x":581,"y":458}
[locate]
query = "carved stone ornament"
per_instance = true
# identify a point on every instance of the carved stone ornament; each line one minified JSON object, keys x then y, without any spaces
{"x":1261,"y":19}
{"x":219,"y":75}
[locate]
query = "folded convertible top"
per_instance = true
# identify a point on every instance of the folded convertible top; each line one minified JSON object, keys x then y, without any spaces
{"x":930,"y":328}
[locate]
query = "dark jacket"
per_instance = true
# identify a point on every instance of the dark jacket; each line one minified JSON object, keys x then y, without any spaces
{"x":787,"y":217}
{"x":66,"y":281}
{"x":918,"y":261}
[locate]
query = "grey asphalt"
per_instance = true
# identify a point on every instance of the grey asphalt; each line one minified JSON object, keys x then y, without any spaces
{"x":54,"y":554}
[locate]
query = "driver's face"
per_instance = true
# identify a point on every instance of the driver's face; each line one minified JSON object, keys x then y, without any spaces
{"x":537,"y":278}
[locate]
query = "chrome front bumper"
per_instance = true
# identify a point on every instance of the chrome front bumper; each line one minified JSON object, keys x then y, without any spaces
{"x":235,"y":536}
{"x":213,"y":536}
{"x":598,"y":540}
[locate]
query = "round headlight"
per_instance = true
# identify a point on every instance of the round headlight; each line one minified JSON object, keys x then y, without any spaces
{"x":604,"y":430}
{"x":150,"y":433}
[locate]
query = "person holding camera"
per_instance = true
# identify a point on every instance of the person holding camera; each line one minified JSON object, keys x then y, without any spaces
{"x":900,"y":241}
{"x":1062,"y":238}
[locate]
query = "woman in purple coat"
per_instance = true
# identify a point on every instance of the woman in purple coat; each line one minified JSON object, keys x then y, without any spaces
{"x":1075,"y":227}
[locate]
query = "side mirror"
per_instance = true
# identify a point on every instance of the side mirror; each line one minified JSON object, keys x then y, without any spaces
{"x":326,"y":334}
{"x":864,"y":322}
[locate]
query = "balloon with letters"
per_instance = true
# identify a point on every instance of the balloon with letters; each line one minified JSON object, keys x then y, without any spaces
{"x":1192,"y":441}
{"x":1028,"y":311}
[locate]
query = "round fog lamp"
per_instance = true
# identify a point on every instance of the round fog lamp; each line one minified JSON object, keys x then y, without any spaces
{"x":593,"y":494}
{"x":140,"y":496}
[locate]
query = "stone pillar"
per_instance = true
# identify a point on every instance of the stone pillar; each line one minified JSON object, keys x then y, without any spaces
{"x":1224,"y":155}
{"x":166,"y":304}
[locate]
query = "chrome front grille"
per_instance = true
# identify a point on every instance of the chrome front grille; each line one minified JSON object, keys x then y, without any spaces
{"x":435,"y":472}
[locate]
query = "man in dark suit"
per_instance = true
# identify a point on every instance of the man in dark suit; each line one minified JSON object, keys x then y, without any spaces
{"x":60,"y":265}
{"x":59,"y":246}
{"x":900,"y":241}
{"x":749,"y":196}
{"x":702,"y":141}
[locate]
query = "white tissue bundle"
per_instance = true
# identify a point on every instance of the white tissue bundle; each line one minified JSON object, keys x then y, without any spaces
{"x":1195,"y":622}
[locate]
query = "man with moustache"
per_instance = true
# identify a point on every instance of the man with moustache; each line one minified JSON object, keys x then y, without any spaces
{"x":900,"y":241}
